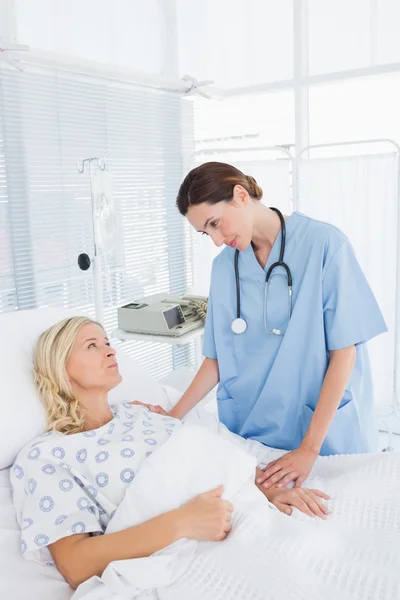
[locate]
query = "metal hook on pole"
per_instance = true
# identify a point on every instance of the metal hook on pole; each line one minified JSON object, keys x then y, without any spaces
{"x":101,"y":163}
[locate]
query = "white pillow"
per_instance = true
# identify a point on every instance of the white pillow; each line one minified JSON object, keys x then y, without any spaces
{"x":22,"y":415}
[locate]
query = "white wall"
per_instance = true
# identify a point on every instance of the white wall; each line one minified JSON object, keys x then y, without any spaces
{"x":133,"y":34}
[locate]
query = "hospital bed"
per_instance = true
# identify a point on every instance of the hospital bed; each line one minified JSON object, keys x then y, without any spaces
{"x":22,"y":419}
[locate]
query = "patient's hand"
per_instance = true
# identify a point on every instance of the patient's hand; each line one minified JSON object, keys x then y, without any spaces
{"x":153,"y":408}
{"x":310,"y":502}
{"x":207,"y":516}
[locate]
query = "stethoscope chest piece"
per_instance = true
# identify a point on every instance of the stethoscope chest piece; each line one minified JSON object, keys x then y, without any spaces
{"x":238,"y":326}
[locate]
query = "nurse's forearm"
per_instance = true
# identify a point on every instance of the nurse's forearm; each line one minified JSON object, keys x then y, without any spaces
{"x":206,"y":379}
{"x":341,"y":365}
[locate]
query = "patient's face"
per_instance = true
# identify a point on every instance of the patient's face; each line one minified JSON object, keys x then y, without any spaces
{"x":92,"y":364}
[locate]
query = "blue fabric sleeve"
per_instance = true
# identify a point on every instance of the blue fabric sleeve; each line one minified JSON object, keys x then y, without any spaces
{"x":351,"y":313}
{"x":209,"y":349}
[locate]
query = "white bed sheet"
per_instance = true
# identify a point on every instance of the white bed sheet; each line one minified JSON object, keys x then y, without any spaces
{"x":21,"y":579}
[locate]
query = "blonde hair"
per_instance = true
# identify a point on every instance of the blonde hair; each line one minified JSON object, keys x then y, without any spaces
{"x":53,"y":348}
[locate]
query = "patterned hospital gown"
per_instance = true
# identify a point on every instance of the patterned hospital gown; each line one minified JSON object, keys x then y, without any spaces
{"x":68,"y":484}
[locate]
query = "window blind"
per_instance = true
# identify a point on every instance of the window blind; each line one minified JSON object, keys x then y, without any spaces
{"x":51,"y":119}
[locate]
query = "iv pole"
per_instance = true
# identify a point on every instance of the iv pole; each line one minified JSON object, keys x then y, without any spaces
{"x":84,"y":260}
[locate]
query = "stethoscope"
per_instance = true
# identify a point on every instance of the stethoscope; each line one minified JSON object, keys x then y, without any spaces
{"x":239,"y":325}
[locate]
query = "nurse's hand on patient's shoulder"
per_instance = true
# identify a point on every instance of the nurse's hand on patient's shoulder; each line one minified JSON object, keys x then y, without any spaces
{"x":310,"y":502}
{"x":206,"y":517}
{"x":293,"y":466}
{"x":153,"y":408}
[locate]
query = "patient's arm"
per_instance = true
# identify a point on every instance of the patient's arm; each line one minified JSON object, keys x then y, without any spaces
{"x":205,"y":517}
{"x":79,"y":557}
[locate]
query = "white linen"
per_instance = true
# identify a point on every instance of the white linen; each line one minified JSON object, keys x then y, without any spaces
{"x":353,"y":555}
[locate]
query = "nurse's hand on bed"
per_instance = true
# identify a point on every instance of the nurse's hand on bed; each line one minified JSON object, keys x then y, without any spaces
{"x":293,"y":466}
{"x":153,"y":408}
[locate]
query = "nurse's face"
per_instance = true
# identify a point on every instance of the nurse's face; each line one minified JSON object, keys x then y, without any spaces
{"x":229,"y":223}
{"x":92,"y":364}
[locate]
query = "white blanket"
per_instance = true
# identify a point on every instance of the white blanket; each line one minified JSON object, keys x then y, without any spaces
{"x":267,"y":556}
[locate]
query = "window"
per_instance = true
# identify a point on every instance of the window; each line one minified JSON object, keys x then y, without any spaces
{"x":49,"y":121}
{"x":355,"y":110}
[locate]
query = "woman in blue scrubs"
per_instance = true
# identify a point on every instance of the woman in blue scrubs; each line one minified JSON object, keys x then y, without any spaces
{"x":297,"y":380}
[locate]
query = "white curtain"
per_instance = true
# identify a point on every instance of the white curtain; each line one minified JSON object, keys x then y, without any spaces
{"x":359,"y":194}
{"x":273,"y":176}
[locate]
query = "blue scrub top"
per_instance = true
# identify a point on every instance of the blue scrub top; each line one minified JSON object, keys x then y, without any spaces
{"x":269,"y":385}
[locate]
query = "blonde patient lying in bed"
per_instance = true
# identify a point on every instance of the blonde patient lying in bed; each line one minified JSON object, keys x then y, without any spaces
{"x":69,"y":482}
